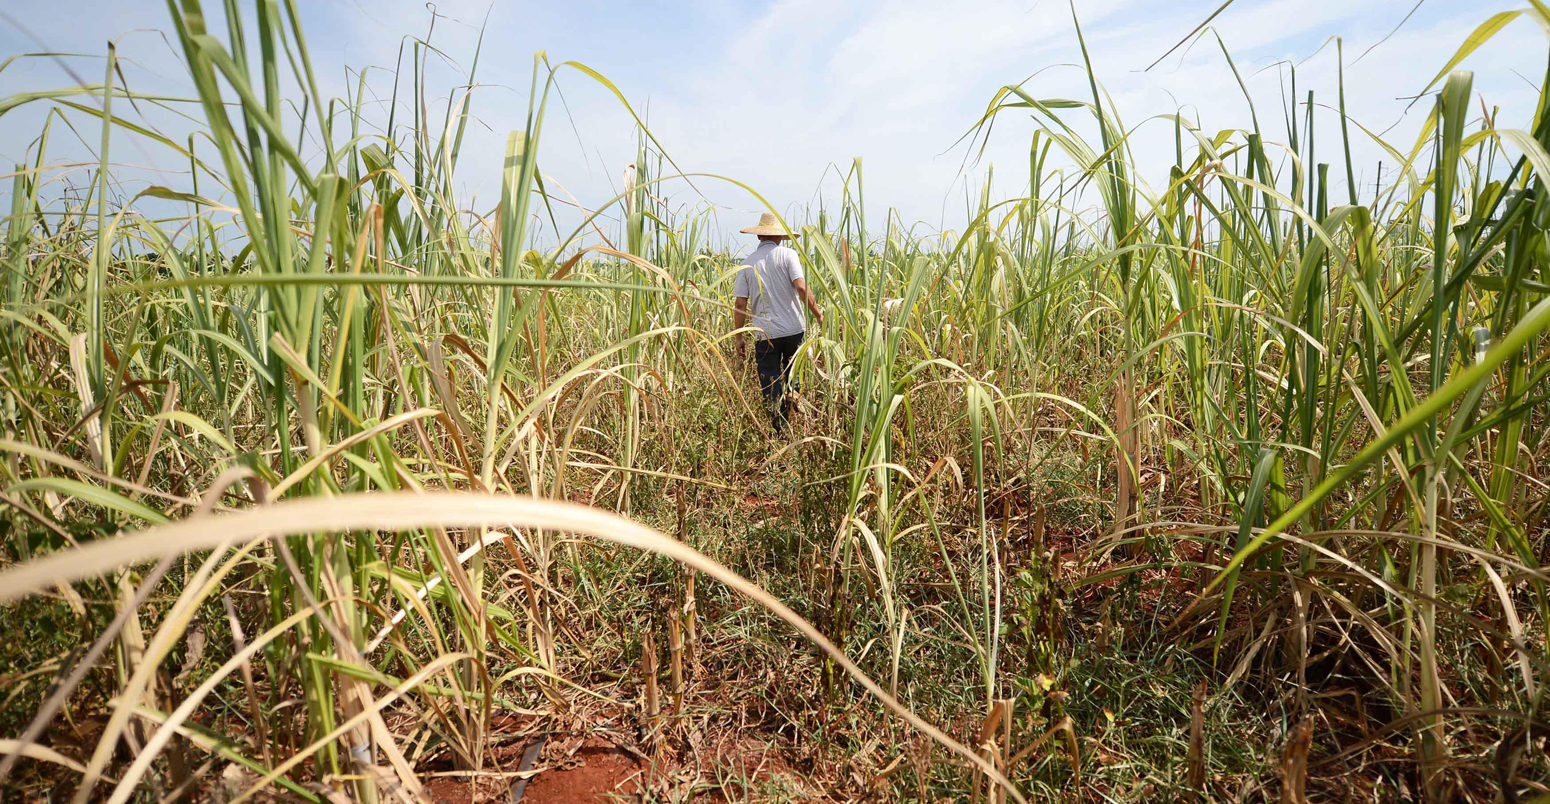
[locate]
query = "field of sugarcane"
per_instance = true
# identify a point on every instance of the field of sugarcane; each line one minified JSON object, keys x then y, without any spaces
{"x":318,"y":485}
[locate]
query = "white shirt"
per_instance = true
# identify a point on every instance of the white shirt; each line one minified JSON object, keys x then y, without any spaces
{"x":766,"y":281}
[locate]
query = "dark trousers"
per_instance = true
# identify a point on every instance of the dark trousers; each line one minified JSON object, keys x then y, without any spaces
{"x":773,"y":357}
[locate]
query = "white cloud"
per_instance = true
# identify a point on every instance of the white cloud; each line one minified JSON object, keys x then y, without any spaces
{"x":775,"y":95}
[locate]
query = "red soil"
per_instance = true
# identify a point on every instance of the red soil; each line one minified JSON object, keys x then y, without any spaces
{"x":597,"y":772}
{"x":604,"y":773}
{"x":459,"y":791}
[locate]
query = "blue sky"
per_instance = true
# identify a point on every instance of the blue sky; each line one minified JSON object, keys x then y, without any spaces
{"x":774,"y":93}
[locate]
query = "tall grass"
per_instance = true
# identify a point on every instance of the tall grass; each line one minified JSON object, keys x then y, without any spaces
{"x":348,"y":421}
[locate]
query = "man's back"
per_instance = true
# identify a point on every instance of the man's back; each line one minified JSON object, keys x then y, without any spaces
{"x":766,"y":280}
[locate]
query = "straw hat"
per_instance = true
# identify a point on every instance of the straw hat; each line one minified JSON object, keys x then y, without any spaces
{"x":769,"y":226}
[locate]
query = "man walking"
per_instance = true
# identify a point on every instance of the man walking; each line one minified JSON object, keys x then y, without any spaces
{"x":771,"y":289}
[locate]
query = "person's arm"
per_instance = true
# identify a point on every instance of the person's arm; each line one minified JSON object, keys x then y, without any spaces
{"x":799,"y":281}
{"x":808,"y":298}
{"x":739,"y":320}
